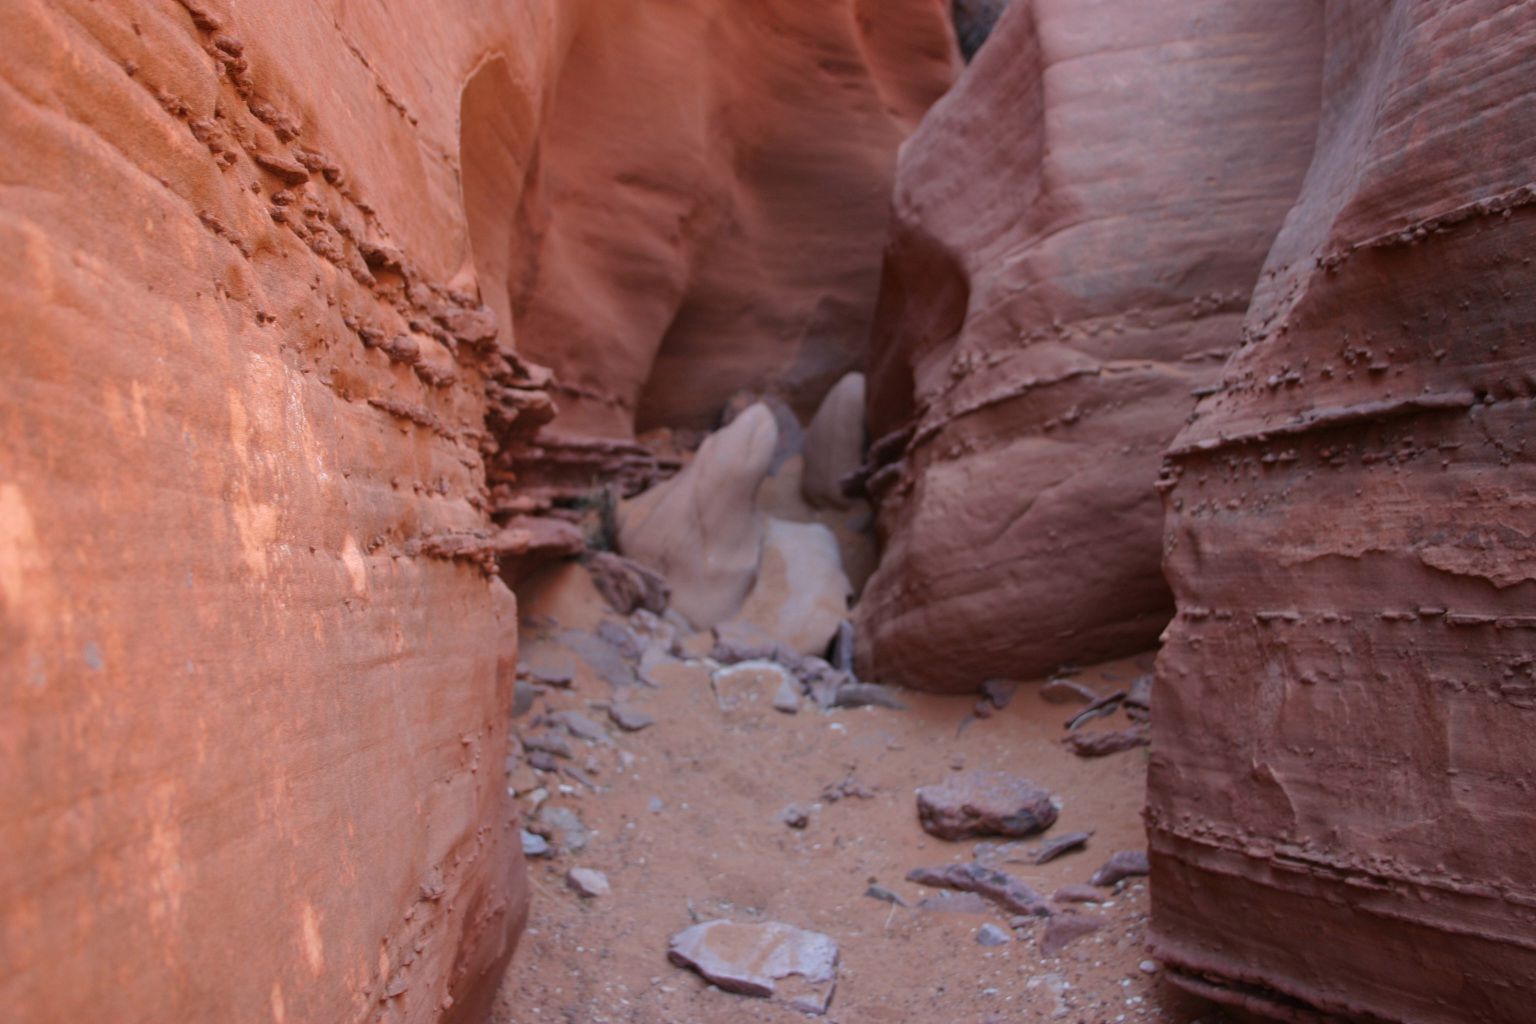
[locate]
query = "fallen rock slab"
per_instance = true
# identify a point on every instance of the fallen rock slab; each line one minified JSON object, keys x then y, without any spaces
{"x":983,"y":803}
{"x":1125,"y":864}
{"x":1054,"y":847}
{"x":750,"y":959}
{"x":1102,"y":744}
{"x":1000,"y":887}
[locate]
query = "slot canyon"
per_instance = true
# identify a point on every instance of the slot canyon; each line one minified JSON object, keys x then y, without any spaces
{"x":571,"y":511}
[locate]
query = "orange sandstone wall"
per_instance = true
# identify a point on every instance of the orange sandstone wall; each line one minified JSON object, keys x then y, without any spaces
{"x":260,"y":262}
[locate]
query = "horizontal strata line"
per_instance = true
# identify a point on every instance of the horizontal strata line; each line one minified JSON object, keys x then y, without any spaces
{"x":1302,"y":865}
{"x":1319,"y":419}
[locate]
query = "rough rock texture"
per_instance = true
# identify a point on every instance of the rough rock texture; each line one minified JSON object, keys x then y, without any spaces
{"x":1078,"y":227}
{"x":984,"y":803}
{"x":701,"y":529}
{"x":1342,"y":744}
{"x":834,"y":443}
{"x":256,"y":680}
{"x":264,"y":429}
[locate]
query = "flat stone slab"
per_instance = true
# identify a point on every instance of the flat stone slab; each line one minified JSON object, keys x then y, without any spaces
{"x":750,"y":959}
{"x":981,"y":803}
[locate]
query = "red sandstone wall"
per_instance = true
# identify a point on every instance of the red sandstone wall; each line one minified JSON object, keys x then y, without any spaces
{"x":705,"y":210}
{"x":1078,"y":227}
{"x":255,"y":670}
{"x":1340,"y":797}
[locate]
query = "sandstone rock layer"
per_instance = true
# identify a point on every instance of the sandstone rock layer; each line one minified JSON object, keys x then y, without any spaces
{"x":256,"y":678}
{"x":265,"y":433}
{"x":1078,"y":227}
{"x":1342,"y":737}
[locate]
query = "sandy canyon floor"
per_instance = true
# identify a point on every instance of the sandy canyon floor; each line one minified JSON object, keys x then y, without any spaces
{"x":685,"y":818}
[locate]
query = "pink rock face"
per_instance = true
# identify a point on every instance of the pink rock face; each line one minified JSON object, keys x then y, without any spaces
{"x":704,"y":213}
{"x":1078,"y":227}
{"x":262,"y":381}
{"x":1342,"y":740}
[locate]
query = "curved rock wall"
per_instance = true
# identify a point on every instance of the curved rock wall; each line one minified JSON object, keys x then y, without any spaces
{"x":261,"y":268}
{"x":1078,"y":227}
{"x":705,"y":212}
{"x":1342,"y":746}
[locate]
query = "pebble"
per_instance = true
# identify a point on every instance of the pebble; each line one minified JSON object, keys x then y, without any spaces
{"x":795,"y":816}
{"x":1150,"y":966}
{"x":629,"y":719}
{"x":534,"y":845}
{"x":787,"y":699}
{"x":587,"y":882}
{"x":991,"y":935}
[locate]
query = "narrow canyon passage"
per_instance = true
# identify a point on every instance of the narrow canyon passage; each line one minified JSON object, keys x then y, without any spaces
{"x":713,"y":510}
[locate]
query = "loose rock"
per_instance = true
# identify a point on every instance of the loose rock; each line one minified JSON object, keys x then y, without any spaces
{"x":1058,"y":845}
{"x":563,"y":826}
{"x":1000,"y":887}
{"x":629,"y":719}
{"x":880,"y":892}
{"x":982,"y":803}
{"x":587,"y":882}
{"x":787,"y":699}
{"x":1102,"y":744}
{"x":991,"y":935}
{"x":1124,"y":864}
{"x":999,"y":692}
{"x":534,"y":845}
{"x":795,"y":816}
{"x":1065,"y":929}
{"x":1077,"y":894}
{"x":1067,"y":691}
{"x":580,"y":725}
{"x":749,"y":959}
{"x":626,"y":584}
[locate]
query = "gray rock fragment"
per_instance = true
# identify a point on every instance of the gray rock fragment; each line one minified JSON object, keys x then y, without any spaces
{"x":991,"y":935}
{"x":751,"y":959}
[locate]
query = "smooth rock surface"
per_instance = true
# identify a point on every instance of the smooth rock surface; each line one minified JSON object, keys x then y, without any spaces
{"x":701,"y":529}
{"x":1079,"y":224}
{"x":801,"y":593}
{"x":984,"y":803}
{"x":834,"y":444}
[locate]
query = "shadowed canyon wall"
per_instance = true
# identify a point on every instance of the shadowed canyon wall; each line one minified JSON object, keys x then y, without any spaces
{"x":1340,"y":800}
{"x":261,"y":268}
{"x":1078,"y":227}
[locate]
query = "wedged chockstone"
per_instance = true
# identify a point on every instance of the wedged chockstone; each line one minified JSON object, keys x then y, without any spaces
{"x":983,"y":803}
